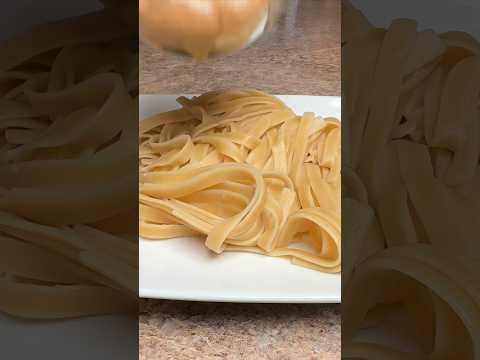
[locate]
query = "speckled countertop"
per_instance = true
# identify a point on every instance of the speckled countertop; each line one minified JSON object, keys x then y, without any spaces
{"x":203,"y":331}
{"x":302,"y":56}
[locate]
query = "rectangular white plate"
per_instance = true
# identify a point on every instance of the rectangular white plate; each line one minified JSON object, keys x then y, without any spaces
{"x":183,"y":269}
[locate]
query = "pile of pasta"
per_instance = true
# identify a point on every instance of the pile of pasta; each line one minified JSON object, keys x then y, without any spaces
{"x":411,"y":197}
{"x":68,"y":162}
{"x":241,"y":169}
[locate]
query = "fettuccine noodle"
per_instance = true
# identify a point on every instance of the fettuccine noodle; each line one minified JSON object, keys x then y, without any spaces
{"x":68,"y":117}
{"x":411,"y":196}
{"x":241,"y":169}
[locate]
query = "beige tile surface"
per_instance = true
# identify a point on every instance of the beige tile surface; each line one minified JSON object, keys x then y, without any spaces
{"x":302,"y":56}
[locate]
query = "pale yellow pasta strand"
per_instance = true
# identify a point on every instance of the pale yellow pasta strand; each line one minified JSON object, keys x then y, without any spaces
{"x":257,"y":177}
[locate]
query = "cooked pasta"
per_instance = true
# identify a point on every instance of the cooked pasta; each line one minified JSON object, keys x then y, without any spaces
{"x":411,"y":196}
{"x":239,"y":168}
{"x":68,"y":118}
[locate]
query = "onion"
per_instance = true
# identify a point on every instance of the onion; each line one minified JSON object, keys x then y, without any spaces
{"x":204,"y":27}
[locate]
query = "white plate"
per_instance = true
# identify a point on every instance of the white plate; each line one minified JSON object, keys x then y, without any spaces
{"x":183,"y":269}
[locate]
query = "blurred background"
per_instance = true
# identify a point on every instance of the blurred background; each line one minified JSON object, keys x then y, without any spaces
{"x":460,"y":15}
{"x":99,"y":337}
{"x":26,"y":13}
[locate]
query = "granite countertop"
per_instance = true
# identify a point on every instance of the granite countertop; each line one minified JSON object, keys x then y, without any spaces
{"x":179,"y":330}
{"x":301,"y":56}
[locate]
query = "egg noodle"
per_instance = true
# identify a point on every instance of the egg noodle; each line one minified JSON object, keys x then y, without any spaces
{"x":241,"y":169}
{"x":411,"y":192}
{"x":68,"y":130}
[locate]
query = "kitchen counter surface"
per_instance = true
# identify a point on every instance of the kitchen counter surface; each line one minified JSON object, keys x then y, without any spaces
{"x":302,"y":56}
{"x":203,"y":331}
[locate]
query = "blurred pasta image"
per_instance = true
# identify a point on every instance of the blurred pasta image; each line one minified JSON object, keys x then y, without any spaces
{"x":410,"y":175}
{"x":242,"y":170}
{"x":68,"y":117}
